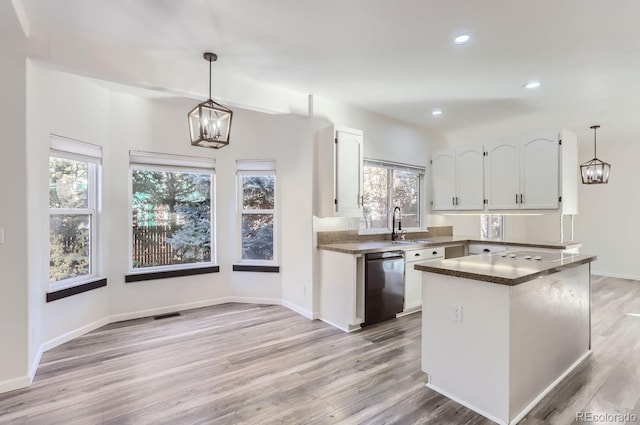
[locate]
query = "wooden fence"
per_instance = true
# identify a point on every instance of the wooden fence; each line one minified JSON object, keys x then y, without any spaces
{"x":150,"y":247}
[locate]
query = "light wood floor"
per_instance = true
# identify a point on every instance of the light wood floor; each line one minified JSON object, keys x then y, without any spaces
{"x":250,"y":364}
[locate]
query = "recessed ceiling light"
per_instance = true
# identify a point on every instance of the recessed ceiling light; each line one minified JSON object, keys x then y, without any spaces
{"x":436,"y":112}
{"x":462,"y":39}
{"x":532,"y":85}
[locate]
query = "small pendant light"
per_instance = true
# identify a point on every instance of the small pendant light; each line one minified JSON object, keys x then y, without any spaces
{"x":210,"y":122}
{"x":595,"y":171}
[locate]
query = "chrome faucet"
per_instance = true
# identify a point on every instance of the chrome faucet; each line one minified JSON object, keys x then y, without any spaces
{"x":394,"y":235}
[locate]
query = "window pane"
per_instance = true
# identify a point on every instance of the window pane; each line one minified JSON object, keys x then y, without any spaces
{"x":257,"y":236}
{"x":69,"y":246}
{"x":171,"y":218}
{"x":491,"y":226}
{"x":375,"y":198}
{"x":68,"y":183}
{"x":257,"y":192}
{"x":406,"y":188}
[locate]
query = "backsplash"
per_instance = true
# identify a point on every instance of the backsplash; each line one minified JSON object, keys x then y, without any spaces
{"x":346,"y":236}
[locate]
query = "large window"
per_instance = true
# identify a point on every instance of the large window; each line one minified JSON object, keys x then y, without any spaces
{"x":73,"y":212}
{"x":256,"y":182}
{"x":387,"y":186}
{"x":171,"y":212}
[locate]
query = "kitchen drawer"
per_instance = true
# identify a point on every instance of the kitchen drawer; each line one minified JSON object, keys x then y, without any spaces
{"x":478,"y":248}
{"x":422,"y":254}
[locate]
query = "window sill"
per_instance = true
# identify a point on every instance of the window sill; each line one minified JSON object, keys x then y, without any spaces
{"x":139,"y":277}
{"x":255,"y":268}
{"x":77,"y":289}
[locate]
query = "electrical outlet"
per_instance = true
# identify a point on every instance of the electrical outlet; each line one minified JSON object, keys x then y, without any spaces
{"x":456,"y":312}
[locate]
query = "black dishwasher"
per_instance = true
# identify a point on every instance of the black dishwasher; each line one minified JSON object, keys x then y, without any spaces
{"x":383,"y":286}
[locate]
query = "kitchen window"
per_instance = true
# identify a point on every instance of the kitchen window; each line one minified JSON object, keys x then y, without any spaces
{"x":386,"y":186}
{"x":74,"y":199}
{"x":172,"y":214}
{"x":491,"y":226}
{"x":256,"y":208}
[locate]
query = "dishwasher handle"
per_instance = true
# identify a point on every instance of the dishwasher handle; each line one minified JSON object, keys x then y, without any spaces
{"x":384,"y":255}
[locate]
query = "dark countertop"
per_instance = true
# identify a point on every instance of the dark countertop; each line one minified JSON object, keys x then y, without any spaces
{"x":435,"y":241}
{"x":496,"y":269}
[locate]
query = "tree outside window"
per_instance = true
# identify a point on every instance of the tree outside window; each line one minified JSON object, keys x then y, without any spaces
{"x":71,"y":218}
{"x":257,"y":213}
{"x":387,"y":186}
{"x":171,"y":217}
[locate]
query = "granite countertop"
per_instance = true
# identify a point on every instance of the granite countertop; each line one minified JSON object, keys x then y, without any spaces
{"x":505,"y":271}
{"x":435,"y":241}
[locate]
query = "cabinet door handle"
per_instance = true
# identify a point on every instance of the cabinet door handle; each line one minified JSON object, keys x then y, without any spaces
{"x":457,"y":203}
{"x":516,"y":198}
{"x":435,"y":252}
{"x":416,"y":255}
{"x":486,"y":250}
{"x":453,"y":200}
{"x":521,"y":198}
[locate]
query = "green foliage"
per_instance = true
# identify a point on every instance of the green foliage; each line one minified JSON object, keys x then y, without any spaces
{"x":68,"y":183}
{"x":257,"y":236}
{"x":171,"y":217}
{"x":69,"y":247}
{"x":191,"y":242}
{"x":257,"y":228}
{"x":69,"y":235}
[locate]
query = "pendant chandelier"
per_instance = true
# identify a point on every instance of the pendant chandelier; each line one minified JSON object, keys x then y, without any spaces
{"x":595,"y":171}
{"x":210,"y":122}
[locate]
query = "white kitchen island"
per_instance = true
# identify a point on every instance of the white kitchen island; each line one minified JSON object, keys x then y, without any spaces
{"x":500,"y":331}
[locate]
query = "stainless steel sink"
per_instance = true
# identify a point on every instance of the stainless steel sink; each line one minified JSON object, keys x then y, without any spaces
{"x":421,"y":241}
{"x":403,"y":242}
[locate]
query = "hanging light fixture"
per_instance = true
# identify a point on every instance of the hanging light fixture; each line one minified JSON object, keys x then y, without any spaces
{"x":210,"y":122}
{"x":595,"y":171}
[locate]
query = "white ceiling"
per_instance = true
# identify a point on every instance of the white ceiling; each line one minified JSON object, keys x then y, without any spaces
{"x":394,"y":57}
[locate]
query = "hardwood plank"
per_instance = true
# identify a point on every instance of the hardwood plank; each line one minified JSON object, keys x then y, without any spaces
{"x":255,"y":364}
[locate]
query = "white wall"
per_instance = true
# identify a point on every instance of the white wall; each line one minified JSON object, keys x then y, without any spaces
{"x":160,"y":125}
{"x":76,"y":108}
{"x":83,"y":109}
{"x":14,"y":329}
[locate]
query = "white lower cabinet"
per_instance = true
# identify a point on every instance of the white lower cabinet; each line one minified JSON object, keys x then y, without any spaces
{"x":413,"y":278}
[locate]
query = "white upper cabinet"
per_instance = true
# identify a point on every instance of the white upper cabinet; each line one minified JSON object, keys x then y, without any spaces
{"x":502,"y":175}
{"x":457,"y":179}
{"x":538,"y":173}
{"x":443,"y":167}
{"x":469,"y":172}
{"x":523,"y":173}
{"x":340,"y":165}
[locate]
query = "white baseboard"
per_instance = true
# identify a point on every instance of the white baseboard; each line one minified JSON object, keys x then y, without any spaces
{"x":465,"y":404}
{"x":616,"y":275}
{"x":14,"y":384}
{"x":59,"y":340}
{"x":301,"y":311}
{"x":34,"y":366}
{"x":547,"y":390}
{"x":190,"y":306}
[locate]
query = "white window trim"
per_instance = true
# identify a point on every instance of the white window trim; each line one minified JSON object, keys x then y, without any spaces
{"x":256,"y":168}
{"x":420,"y":171}
{"x":139,"y":160}
{"x":66,"y":148}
